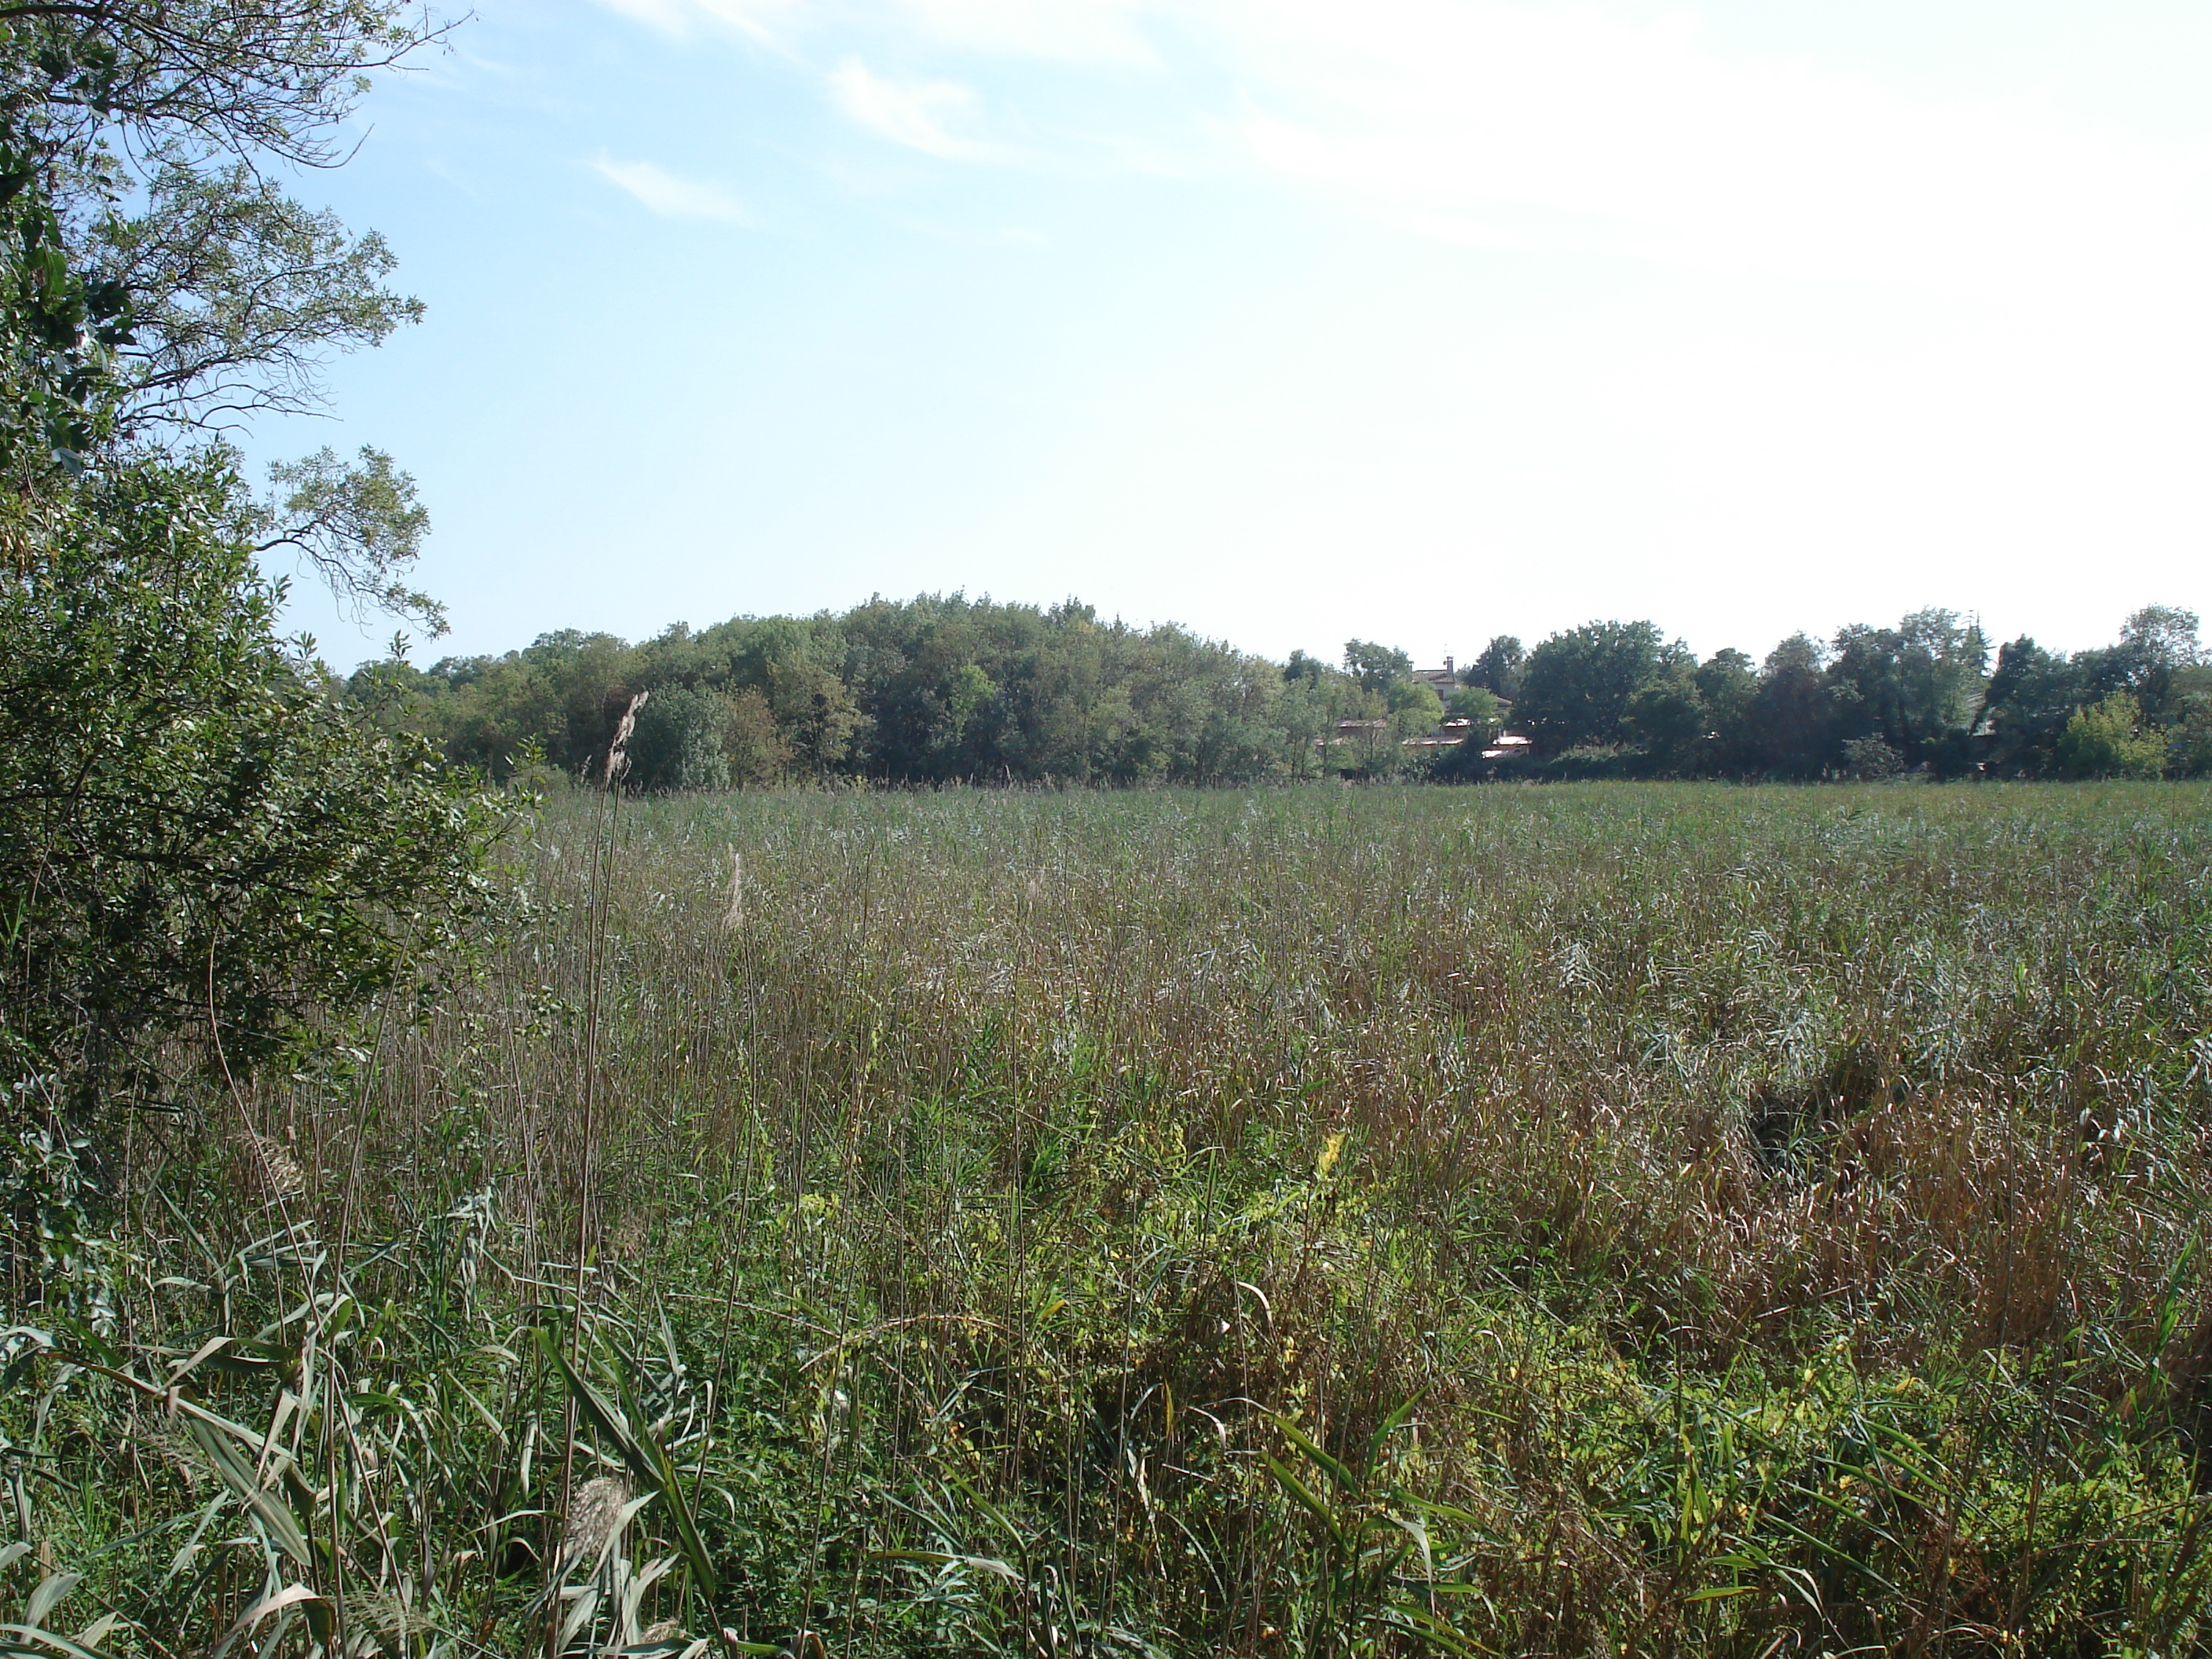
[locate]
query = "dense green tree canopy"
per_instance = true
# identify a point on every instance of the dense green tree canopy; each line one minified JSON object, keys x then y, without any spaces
{"x":939,"y":689}
{"x":200,"y":840}
{"x":211,"y":855}
{"x":160,"y":289}
{"x":1577,"y":686}
{"x":1499,"y":668}
{"x":1376,"y":667}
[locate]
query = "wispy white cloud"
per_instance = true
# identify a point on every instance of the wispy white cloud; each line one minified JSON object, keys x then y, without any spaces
{"x":1094,"y":31}
{"x":669,"y":196}
{"x":909,"y":112}
{"x":1597,"y":128}
{"x":1070,"y":31}
{"x":758,"y":18}
{"x":1608,"y":126}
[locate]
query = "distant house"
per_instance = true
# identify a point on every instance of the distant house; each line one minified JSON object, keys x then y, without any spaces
{"x":1359,"y":733}
{"x":1455,"y":729}
{"x":1451,"y":733}
{"x":1442,"y":681}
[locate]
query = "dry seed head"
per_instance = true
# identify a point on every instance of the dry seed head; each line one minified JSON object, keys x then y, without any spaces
{"x":387,"y":1612}
{"x":278,"y":1170}
{"x":735,"y":915}
{"x":618,"y":751}
{"x":591,"y":1515}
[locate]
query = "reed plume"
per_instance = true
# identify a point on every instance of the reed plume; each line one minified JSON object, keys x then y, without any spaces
{"x":618,"y":765}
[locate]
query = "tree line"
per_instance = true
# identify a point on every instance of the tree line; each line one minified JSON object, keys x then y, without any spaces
{"x":945,"y":688}
{"x":1922,"y":697}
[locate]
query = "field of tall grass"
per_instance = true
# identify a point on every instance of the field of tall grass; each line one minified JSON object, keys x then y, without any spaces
{"x":1617,"y":1219}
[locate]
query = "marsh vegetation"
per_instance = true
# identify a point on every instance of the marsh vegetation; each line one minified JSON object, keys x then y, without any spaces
{"x":1642,"y":1219}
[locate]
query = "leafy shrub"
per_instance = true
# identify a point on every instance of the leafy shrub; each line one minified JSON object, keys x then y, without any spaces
{"x":1871,"y":758}
{"x":2106,"y":740}
{"x":199,"y":840}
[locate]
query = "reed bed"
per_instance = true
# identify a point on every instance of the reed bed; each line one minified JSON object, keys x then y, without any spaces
{"x":1621,"y":1219}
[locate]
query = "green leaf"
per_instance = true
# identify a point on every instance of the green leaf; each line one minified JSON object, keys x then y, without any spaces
{"x":1431,"y":1630}
{"x":1388,"y":1427}
{"x":320,"y":1615}
{"x":645,"y":1457}
{"x":1307,"y":1444}
{"x":1298,"y":1490}
{"x":235,"y":1473}
{"x":940,"y":1558}
{"x":59,"y":1644}
{"x":51,"y":1591}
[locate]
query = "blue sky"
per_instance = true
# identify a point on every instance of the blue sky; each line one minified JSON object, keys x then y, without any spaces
{"x":1296,"y":319}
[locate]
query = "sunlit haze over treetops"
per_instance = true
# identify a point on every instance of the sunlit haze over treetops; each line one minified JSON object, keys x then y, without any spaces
{"x":1292,"y":321}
